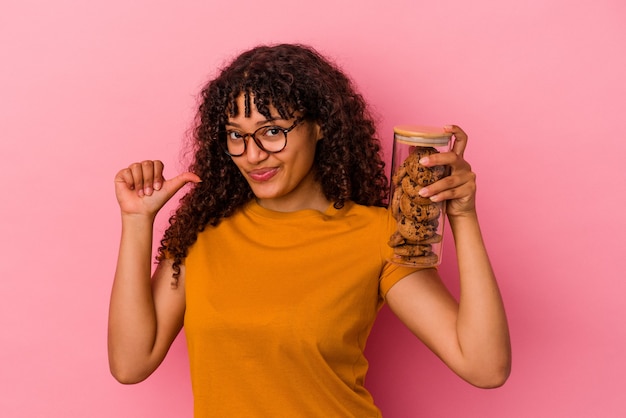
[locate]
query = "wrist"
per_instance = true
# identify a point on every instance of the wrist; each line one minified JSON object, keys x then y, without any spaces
{"x":464,"y":221}
{"x":470,"y":215}
{"x":137,"y":219}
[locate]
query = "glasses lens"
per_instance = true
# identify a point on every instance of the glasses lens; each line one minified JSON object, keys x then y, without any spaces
{"x":234,"y":143}
{"x":269,"y":138}
{"x":272,"y":138}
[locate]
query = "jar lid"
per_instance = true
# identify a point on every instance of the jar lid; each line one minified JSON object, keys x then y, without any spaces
{"x":426,"y":135}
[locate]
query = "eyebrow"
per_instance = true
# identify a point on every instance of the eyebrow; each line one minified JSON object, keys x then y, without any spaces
{"x":259,"y":123}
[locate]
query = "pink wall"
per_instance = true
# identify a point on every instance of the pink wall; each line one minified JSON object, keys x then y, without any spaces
{"x":87,"y":87}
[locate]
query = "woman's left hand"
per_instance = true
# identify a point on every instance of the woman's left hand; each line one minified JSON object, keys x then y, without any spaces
{"x":459,"y":188}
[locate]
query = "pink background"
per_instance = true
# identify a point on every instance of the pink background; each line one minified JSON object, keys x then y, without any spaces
{"x":87,"y":87}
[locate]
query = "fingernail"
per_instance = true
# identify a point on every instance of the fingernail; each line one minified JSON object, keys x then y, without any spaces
{"x":148,"y":191}
{"x":423,"y":191}
{"x":424,"y":161}
{"x":157,"y":186}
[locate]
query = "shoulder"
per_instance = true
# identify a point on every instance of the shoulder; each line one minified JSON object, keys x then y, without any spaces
{"x":376,"y":216}
{"x":355,"y":209}
{"x":375,"y":223}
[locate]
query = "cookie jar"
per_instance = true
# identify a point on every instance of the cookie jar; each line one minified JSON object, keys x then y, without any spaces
{"x":420,"y":221}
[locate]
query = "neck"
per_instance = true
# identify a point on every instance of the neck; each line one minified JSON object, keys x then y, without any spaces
{"x":309,"y":197}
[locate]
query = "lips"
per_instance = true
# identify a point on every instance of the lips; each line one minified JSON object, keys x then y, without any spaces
{"x":262,"y":174}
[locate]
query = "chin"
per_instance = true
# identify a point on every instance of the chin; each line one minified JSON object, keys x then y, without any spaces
{"x":261,"y":192}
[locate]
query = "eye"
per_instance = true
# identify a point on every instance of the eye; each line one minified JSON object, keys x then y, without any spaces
{"x":271,"y":131}
{"x":234,"y":136}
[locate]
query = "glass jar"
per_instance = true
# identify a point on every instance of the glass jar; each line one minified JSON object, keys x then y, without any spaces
{"x":417,"y":242}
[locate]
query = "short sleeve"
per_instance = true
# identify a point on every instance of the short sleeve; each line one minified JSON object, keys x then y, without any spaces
{"x":391,"y":273}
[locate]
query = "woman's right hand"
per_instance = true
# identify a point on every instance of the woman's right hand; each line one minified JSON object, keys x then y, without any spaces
{"x":141,"y":188}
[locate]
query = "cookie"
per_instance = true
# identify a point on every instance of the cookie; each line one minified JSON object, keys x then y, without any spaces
{"x":411,"y":189}
{"x":439,"y":172}
{"x":435,"y":239}
{"x":396,"y":179}
{"x":428,"y":259}
{"x":418,"y":212}
{"x":417,"y":154}
{"x":416,"y":231}
{"x":412,"y":250}
{"x":420,"y":174}
{"x":396,"y":239}
{"x":424,"y":176}
{"x":395,"y":203}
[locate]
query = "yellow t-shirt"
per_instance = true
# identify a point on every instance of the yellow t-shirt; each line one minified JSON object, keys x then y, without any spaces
{"x":279,"y":307}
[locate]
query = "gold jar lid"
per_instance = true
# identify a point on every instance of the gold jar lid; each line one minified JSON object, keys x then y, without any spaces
{"x":421,"y":135}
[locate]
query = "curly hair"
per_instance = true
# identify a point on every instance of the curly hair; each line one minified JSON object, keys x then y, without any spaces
{"x":290,"y":78}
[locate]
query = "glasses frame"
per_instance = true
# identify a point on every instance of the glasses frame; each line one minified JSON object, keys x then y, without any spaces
{"x":245,"y":137}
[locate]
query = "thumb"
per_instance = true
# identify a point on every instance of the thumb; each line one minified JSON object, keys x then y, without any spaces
{"x":174,"y":184}
{"x":460,"y":139}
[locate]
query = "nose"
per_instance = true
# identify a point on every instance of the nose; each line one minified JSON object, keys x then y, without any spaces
{"x":254,"y":153}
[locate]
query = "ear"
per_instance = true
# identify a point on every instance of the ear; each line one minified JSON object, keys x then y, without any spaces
{"x":317,"y":129}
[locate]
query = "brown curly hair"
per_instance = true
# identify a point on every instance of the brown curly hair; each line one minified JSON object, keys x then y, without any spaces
{"x":291,"y":78}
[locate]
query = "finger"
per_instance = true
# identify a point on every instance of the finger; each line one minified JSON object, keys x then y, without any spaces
{"x":125,"y":177}
{"x":440,"y":158}
{"x":173,"y":185}
{"x":455,"y":162}
{"x":449,"y":183}
{"x":464,"y":191}
{"x":460,"y":139}
{"x":158,"y":175}
{"x":147,"y":169}
{"x":136,"y":171}
{"x":144,"y":174}
{"x":191,"y":177}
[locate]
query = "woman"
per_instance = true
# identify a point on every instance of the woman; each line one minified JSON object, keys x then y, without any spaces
{"x":276,"y":259}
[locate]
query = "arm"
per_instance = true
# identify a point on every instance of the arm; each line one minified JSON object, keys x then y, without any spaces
{"x":145,"y":314}
{"x":471,"y":336}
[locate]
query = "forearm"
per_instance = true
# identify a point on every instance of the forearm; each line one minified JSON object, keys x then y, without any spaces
{"x":481,"y":324}
{"x":132,"y":317}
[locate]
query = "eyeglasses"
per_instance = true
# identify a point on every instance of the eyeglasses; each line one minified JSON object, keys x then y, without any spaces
{"x":271,"y":139}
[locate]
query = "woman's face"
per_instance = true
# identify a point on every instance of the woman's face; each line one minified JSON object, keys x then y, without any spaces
{"x":281,"y":181}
